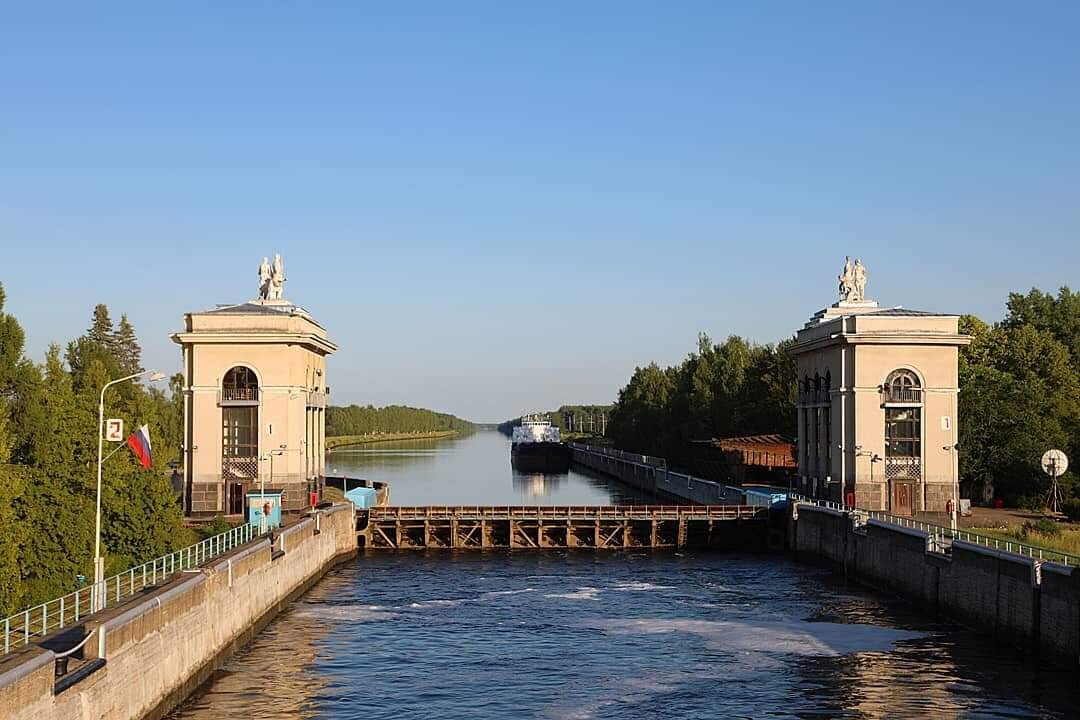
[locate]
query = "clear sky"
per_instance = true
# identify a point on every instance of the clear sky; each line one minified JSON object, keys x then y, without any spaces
{"x":497,"y":207}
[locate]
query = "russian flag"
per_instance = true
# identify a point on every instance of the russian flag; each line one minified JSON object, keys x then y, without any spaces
{"x":140,"y":445}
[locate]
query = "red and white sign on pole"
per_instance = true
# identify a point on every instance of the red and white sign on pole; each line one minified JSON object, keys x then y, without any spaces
{"x":114,"y":430}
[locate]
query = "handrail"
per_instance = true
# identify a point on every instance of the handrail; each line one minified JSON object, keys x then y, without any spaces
{"x":938,"y":533}
{"x":56,"y":614}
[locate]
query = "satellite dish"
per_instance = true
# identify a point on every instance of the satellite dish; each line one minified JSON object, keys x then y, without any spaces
{"x":1055,"y":463}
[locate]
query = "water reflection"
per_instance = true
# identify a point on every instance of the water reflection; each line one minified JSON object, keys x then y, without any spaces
{"x":472,"y":470}
{"x":535,"y":486}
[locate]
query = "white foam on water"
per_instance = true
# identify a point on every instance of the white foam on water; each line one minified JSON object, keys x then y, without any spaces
{"x":640,"y":587}
{"x":347,"y":613}
{"x":798,"y":637}
{"x":582,"y":593}
{"x":438,"y":603}
{"x":496,"y":593}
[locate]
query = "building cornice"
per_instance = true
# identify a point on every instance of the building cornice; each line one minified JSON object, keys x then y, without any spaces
{"x":879,"y":338}
{"x":229,"y":337}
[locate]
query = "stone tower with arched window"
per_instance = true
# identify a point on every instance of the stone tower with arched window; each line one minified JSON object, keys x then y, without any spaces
{"x":255,"y":394}
{"x":877,"y":406}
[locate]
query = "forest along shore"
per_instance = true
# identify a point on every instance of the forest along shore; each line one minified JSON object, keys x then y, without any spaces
{"x":342,"y":441}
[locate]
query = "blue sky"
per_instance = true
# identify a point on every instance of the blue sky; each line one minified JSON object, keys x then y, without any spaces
{"x":495,"y":208}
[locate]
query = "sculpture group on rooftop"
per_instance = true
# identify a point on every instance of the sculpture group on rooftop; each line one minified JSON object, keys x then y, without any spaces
{"x":272,"y":279}
{"x":853,"y":281}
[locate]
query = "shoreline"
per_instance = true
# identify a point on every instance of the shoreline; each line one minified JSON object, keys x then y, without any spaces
{"x":340,"y":441}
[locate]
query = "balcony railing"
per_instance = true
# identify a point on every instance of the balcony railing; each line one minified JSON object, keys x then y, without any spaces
{"x":239,"y":396}
{"x":814,"y":397}
{"x":901,"y":395}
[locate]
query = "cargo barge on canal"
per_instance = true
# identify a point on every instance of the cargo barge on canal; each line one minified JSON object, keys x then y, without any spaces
{"x":536,"y":446}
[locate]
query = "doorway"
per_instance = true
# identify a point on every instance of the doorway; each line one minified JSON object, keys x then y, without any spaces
{"x":903,"y":497}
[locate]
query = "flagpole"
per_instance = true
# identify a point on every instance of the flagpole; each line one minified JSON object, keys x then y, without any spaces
{"x":97,"y":593}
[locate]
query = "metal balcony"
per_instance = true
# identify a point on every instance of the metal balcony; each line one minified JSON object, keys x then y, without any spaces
{"x":901,"y":396}
{"x":238,"y":396}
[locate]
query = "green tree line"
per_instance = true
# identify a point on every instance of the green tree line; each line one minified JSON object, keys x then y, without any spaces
{"x":732,"y":388}
{"x":1019,"y":385}
{"x":48,"y":456}
{"x":368,"y":419}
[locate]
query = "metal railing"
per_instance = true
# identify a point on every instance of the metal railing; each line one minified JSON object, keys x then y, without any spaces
{"x":560,"y":513}
{"x":941,"y":536}
{"x":241,"y":395}
{"x":38,"y":621}
{"x":901,"y":395}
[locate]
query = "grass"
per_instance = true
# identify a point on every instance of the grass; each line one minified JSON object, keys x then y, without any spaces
{"x":1067,"y":540}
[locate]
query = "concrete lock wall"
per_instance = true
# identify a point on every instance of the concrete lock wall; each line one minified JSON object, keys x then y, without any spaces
{"x":659,"y":481}
{"x":1026,"y":602}
{"x":160,"y":648}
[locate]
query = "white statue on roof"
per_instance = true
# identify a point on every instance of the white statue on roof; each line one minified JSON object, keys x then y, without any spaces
{"x":853,"y":281}
{"x":264,"y":279}
{"x":277,"y":279}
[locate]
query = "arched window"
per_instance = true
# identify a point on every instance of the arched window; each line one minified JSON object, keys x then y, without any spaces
{"x":240,"y":385}
{"x":901,"y":380}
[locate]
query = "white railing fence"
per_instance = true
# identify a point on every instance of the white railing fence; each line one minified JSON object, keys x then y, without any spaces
{"x":22,"y":627}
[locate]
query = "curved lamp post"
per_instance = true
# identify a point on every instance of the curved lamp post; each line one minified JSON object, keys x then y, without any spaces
{"x":99,"y":563}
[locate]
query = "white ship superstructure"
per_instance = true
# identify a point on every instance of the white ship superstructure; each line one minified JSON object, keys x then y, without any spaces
{"x":535,"y":428}
{"x":537,"y":446}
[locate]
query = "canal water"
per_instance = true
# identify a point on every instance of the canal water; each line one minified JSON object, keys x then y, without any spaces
{"x":471,"y":470}
{"x":634,"y":634}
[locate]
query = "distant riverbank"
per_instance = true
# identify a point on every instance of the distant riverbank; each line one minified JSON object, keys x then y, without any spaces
{"x":348,"y":440}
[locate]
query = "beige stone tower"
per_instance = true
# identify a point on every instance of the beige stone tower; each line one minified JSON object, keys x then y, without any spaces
{"x":255,"y":395}
{"x":877,"y":407}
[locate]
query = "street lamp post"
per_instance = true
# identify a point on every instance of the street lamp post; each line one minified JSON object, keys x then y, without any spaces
{"x":99,"y":562}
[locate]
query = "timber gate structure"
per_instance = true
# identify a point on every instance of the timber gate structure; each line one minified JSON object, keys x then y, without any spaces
{"x":535,"y":527}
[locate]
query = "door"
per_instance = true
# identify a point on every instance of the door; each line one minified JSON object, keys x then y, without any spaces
{"x":903,"y":497}
{"x":236,"y":499}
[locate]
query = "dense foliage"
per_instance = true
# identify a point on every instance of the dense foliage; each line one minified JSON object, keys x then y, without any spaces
{"x":1019,"y":396}
{"x":721,"y":390}
{"x":364,"y":420}
{"x":48,"y":456}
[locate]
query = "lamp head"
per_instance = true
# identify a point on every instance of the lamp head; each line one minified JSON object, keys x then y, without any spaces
{"x":155,"y":376}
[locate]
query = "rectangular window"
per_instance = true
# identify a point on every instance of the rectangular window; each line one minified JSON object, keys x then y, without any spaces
{"x":903,"y":436}
{"x":239,"y":438}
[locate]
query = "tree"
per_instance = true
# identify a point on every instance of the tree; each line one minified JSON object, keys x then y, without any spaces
{"x":1059,"y":316}
{"x":128,"y":352}
{"x":1019,"y":396}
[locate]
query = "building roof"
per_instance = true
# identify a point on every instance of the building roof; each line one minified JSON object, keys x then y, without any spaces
{"x":909,"y":312}
{"x":249,"y":308}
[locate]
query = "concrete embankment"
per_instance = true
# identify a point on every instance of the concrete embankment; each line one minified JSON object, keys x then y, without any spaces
{"x":341,"y":441}
{"x":1023,"y":601}
{"x":147,"y":655}
{"x":652,"y":476}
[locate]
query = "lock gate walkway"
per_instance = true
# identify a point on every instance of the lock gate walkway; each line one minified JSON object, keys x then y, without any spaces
{"x":606,"y":527}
